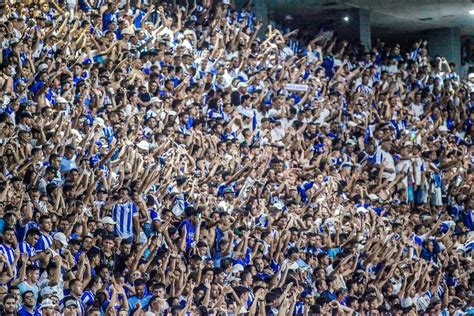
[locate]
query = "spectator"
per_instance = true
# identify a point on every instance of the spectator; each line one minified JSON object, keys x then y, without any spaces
{"x":163,"y":158}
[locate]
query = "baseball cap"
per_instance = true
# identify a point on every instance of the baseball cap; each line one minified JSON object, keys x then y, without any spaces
{"x":108,"y":220}
{"x":61,"y":238}
{"x":46,"y":303}
{"x":70,"y":302}
{"x":48,"y":290}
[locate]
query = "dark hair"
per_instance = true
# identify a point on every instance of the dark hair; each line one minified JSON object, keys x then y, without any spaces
{"x":33,"y":232}
{"x":139,"y":282}
{"x":94,"y":280}
{"x":24,"y":294}
{"x":71,"y":283}
{"x":108,"y":237}
{"x":43,"y":218}
{"x":31,"y":268}
{"x":8,"y":296}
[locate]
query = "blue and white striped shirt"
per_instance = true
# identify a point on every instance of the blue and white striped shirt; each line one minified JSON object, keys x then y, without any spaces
{"x":21,"y":230}
{"x":88,"y":298}
{"x":44,"y":242}
{"x":8,"y":252}
{"x":123,"y":214}
{"x":364,"y":89}
{"x":25,"y":247}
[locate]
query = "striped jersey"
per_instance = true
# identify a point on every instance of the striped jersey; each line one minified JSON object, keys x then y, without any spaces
{"x":123,"y":214}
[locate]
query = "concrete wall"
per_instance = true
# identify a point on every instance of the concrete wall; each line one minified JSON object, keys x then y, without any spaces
{"x":445,"y":42}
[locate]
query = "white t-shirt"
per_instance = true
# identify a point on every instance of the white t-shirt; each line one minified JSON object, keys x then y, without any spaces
{"x":418,"y":109}
{"x":386,"y":159}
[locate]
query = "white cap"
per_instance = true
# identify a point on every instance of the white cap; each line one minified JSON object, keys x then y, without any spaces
{"x":373,"y":196}
{"x":108,"y":220}
{"x":470,"y":76}
{"x":188,"y":32}
{"x":76,"y":133}
{"x":127,"y":31}
{"x":288,"y":17}
{"x":144,"y":145}
{"x":61,"y":100}
{"x":61,"y":238}
{"x":46,"y":303}
{"x":155,"y":100}
{"x":100,"y":121}
{"x":42,"y":67}
{"x":48,"y":290}
{"x":362,"y":210}
{"x":241,"y":85}
{"x":350,"y":141}
{"x":237,"y":268}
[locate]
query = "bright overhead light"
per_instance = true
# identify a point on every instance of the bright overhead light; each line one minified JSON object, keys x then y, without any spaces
{"x":471,"y":11}
{"x":346,"y":18}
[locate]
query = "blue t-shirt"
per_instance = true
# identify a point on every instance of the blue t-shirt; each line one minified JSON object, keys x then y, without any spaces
{"x":24,"y":312}
{"x":144,"y":301}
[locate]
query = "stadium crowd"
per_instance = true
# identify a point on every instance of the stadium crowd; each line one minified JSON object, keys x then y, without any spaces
{"x":177,"y":158}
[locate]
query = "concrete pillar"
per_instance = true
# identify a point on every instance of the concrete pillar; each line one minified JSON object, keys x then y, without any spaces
{"x":365,"y":35}
{"x":261,"y":11}
{"x":445,"y":42}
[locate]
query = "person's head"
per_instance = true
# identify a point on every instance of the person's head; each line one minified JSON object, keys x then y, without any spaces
{"x":8,"y":236}
{"x":159,"y":290}
{"x":429,"y":245}
{"x":93,"y":312}
{"x":124,"y":193}
{"x":125,"y":247}
{"x":140,"y":288}
{"x":259,"y":264}
{"x":94,"y":257}
{"x":47,"y":307}
{"x":70,"y":307}
{"x":108,"y":243}
{"x":28,"y":299}
{"x":55,"y":161}
{"x":69,"y":152}
{"x":87,"y":243}
{"x":9,"y":304}
{"x":95,"y":283}
{"x":246,"y":278}
{"x":15,"y":291}
{"x":32,"y":236}
{"x":75,"y":285}
{"x":242,"y":292}
{"x":45,"y":223}
{"x":32,"y":273}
